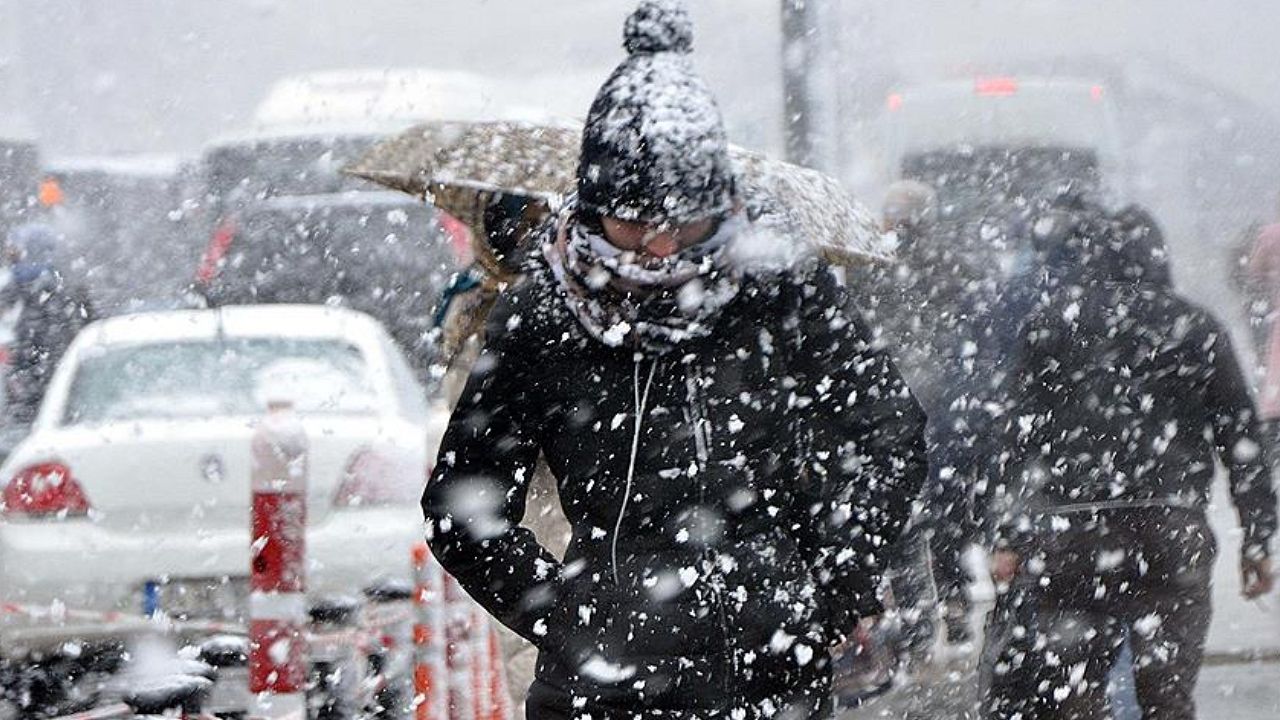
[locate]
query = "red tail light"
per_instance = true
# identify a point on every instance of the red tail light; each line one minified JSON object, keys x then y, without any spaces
{"x":373,"y":480}
{"x":996,"y":86}
{"x":45,"y":489}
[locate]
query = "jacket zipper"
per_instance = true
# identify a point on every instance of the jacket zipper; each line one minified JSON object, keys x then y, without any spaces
{"x":702,"y":450}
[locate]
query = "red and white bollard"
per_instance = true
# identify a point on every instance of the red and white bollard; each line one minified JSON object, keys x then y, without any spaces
{"x":460,"y":625}
{"x":277,"y":600}
{"x":429,"y":669}
{"x":499,"y":699}
{"x":481,"y":663}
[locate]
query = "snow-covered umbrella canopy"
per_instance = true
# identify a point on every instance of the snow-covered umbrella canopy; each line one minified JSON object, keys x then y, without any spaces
{"x":459,"y":166}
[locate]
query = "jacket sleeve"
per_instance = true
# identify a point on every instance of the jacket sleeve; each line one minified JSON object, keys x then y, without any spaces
{"x":1241,"y":446}
{"x":1027,"y":395}
{"x":475,"y":499}
{"x":862,"y":447}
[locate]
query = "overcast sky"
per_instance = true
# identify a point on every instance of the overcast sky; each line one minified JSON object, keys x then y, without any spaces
{"x":92,"y":77}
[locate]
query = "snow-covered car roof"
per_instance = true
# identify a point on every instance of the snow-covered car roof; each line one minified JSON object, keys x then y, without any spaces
{"x":144,"y":165}
{"x":317,"y":131}
{"x":352,"y":198}
{"x":389,"y":95}
{"x":286,"y":321}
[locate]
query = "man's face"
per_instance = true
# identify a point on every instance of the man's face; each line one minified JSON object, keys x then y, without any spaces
{"x":656,"y":241}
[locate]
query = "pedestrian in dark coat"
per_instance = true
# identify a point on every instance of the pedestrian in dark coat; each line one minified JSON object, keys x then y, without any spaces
{"x":1124,"y":396}
{"x":53,"y":310}
{"x":730,"y":450}
{"x":916,"y":308}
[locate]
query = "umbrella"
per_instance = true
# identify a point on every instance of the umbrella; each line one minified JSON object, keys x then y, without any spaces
{"x":798,"y":202}
{"x":461,"y":166}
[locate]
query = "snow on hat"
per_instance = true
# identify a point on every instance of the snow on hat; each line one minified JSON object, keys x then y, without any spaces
{"x":654,"y":148}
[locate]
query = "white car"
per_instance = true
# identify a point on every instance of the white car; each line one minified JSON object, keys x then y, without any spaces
{"x":136,"y":472}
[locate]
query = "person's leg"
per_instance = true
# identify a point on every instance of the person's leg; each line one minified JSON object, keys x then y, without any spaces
{"x":1079,"y":648}
{"x":1168,"y":636}
{"x":1006,"y":678}
{"x":946,"y":546}
{"x":913,"y":596}
{"x":950,"y":515}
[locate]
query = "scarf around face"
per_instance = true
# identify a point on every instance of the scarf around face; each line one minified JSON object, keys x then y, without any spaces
{"x":651,"y":305}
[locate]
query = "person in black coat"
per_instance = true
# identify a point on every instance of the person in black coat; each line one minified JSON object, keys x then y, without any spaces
{"x":52,"y":312}
{"x":1123,"y":396}
{"x":732,"y":453}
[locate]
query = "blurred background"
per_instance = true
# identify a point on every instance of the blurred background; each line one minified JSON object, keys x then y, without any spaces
{"x":190,"y":153}
{"x":1192,"y":83}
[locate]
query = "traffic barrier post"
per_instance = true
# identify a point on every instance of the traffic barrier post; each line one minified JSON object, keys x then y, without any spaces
{"x":429,"y":666}
{"x":277,"y":601}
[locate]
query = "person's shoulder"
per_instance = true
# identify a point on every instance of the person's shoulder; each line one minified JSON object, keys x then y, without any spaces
{"x":812,"y":278}
{"x":529,"y":309}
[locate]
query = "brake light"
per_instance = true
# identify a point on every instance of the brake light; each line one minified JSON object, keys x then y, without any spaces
{"x":373,"y":480}
{"x":219,"y":246}
{"x":894,"y":102}
{"x":1096,"y":92}
{"x":996,"y":86}
{"x":45,"y":489}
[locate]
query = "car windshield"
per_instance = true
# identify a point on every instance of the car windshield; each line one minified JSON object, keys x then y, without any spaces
{"x":232,"y":377}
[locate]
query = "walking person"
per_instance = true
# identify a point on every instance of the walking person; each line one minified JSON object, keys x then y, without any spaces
{"x":730,"y":450}
{"x":1264,"y":270}
{"x":918,"y":309}
{"x":53,"y":310}
{"x":1123,"y":395}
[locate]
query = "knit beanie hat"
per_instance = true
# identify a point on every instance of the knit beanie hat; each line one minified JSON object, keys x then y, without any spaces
{"x":654,"y":148}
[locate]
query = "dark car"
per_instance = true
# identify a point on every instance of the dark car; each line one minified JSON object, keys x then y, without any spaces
{"x":19,"y":171}
{"x":236,"y":171}
{"x":382,"y":253}
{"x":118,"y":216}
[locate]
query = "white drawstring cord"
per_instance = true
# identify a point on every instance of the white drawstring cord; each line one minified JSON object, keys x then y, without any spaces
{"x":641,"y":401}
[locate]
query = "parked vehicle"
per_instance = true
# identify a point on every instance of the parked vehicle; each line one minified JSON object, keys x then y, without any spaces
{"x":382,"y":253}
{"x":137,"y":468}
{"x":118,"y":217}
{"x":1007,"y":144}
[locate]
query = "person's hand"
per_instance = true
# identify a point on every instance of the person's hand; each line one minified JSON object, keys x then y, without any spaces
{"x":1256,"y":577}
{"x":1004,"y":566}
{"x":856,"y":638}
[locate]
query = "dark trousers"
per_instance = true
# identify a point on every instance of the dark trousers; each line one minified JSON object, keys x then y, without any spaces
{"x":1088,"y":580}
{"x":1044,"y":659}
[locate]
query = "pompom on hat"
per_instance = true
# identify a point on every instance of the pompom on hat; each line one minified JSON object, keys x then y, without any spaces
{"x":654,"y":149}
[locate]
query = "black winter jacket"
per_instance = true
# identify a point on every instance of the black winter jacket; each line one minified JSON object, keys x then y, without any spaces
{"x":729,"y":500}
{"x":1123,"y":397}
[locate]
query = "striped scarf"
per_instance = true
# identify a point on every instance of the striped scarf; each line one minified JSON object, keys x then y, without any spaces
{"x":653,"y":306}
